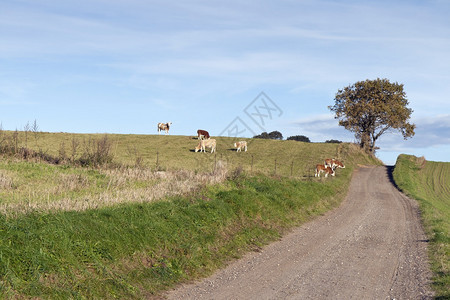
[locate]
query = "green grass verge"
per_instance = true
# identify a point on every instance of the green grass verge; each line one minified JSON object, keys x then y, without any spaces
{"x":429,"y":183}
{"x":138,"y":250}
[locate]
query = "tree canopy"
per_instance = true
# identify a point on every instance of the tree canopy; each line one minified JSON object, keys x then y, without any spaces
{"x":299,"y":138}
{"x":371,"y":108}
{"x":274,"y":135}
{"x":332,"y":141}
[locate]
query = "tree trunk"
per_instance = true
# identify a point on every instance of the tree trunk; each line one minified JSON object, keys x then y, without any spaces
{"x":365,"y":142}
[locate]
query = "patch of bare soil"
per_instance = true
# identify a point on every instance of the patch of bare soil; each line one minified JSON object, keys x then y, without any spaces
{"x":371,"y":247}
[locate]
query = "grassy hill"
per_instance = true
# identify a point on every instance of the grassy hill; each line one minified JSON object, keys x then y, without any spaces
{"x":429,"y":183}
{"x":177,"y":152}
{"x":156,"y":215}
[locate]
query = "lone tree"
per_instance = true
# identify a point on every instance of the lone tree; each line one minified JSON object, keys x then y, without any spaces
{"x":372,"y":107}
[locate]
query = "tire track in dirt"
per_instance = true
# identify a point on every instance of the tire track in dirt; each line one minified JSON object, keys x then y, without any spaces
{"x":371,"y":247}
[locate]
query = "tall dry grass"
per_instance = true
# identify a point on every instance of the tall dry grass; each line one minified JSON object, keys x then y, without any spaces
{"x":421,"y":161}
{"x":6,"y":182}
{"x":125,"y":185}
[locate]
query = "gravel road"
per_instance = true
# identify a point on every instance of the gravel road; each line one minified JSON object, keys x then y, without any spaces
{"x":371,"y":247}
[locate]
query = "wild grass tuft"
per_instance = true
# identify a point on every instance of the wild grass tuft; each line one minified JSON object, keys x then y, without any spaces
{"x":41,"y":187}
{"x":6,"y":181}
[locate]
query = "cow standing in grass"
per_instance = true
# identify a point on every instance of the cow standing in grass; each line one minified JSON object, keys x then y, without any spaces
{"x":326,"y":169}
{"x":210,"y":143}
{"x":333,"y":163}
{"x":240,"y":145}
{"x":203,"y":134}
{"x":164,"y":127}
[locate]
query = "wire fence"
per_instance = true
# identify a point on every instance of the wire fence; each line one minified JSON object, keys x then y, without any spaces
{"x":251,"y":163}
{"x":298,"y":164}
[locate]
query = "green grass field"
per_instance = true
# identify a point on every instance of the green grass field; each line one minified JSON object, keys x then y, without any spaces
{"x":429,"y":183}
{"x":177,"y":152}
{"x":30,"y":185}
{"x":127,"y":231}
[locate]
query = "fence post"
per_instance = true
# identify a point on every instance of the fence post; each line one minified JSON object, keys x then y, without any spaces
{"x":251,"y":169}
{"x":157,"y":160}
{"x":292,"y":167}
{"x":275,"y":166}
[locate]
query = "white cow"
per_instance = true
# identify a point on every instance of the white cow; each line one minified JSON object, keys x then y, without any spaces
{"x":164,"y":126}
{"x":210,"y":143}
{"x":240,"y":145}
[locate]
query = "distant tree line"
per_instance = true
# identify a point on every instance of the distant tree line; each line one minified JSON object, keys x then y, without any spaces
{"x":276,"y":135}
{"x":333,"y":141}
{"x":299,"y":138}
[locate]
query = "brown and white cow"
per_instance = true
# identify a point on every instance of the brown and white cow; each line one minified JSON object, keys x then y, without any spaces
{"x":203,"y":134}
{"x":333,"y":163}
{"x":338,"y":164}
{"x":240,"y":145}
{"x":326,"y":169}
{"x":210,"y":143}
{"x":164,"y":127}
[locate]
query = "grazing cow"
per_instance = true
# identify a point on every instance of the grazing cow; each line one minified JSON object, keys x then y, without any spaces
{"x":333,"y":163}
{"x":164,"y":126}
{"x":326,"y":169}
{"x":210,"y":143}
{"x":240,"y":145}
{"x":338,"y":164}
{"x":203,"y":134}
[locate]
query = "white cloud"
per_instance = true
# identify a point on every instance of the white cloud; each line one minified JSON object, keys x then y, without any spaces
{"x":430,"y":132}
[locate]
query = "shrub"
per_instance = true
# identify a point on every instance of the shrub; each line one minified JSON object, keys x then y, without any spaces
{"x":274,"y":135}
{"x":299,"y":138}
{"x":97,"y":152}
{"x":333,"y":141}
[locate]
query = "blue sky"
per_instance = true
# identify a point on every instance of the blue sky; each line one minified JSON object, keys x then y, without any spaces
{"x":122,"y":66}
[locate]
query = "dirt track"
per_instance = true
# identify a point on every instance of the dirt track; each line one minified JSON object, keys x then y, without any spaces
{"x":371,"y":247}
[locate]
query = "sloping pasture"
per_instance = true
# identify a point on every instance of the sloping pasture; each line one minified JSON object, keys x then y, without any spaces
{"x":160,"y":214}
{"x":429,"y":183}
{"x":168,"y":152}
